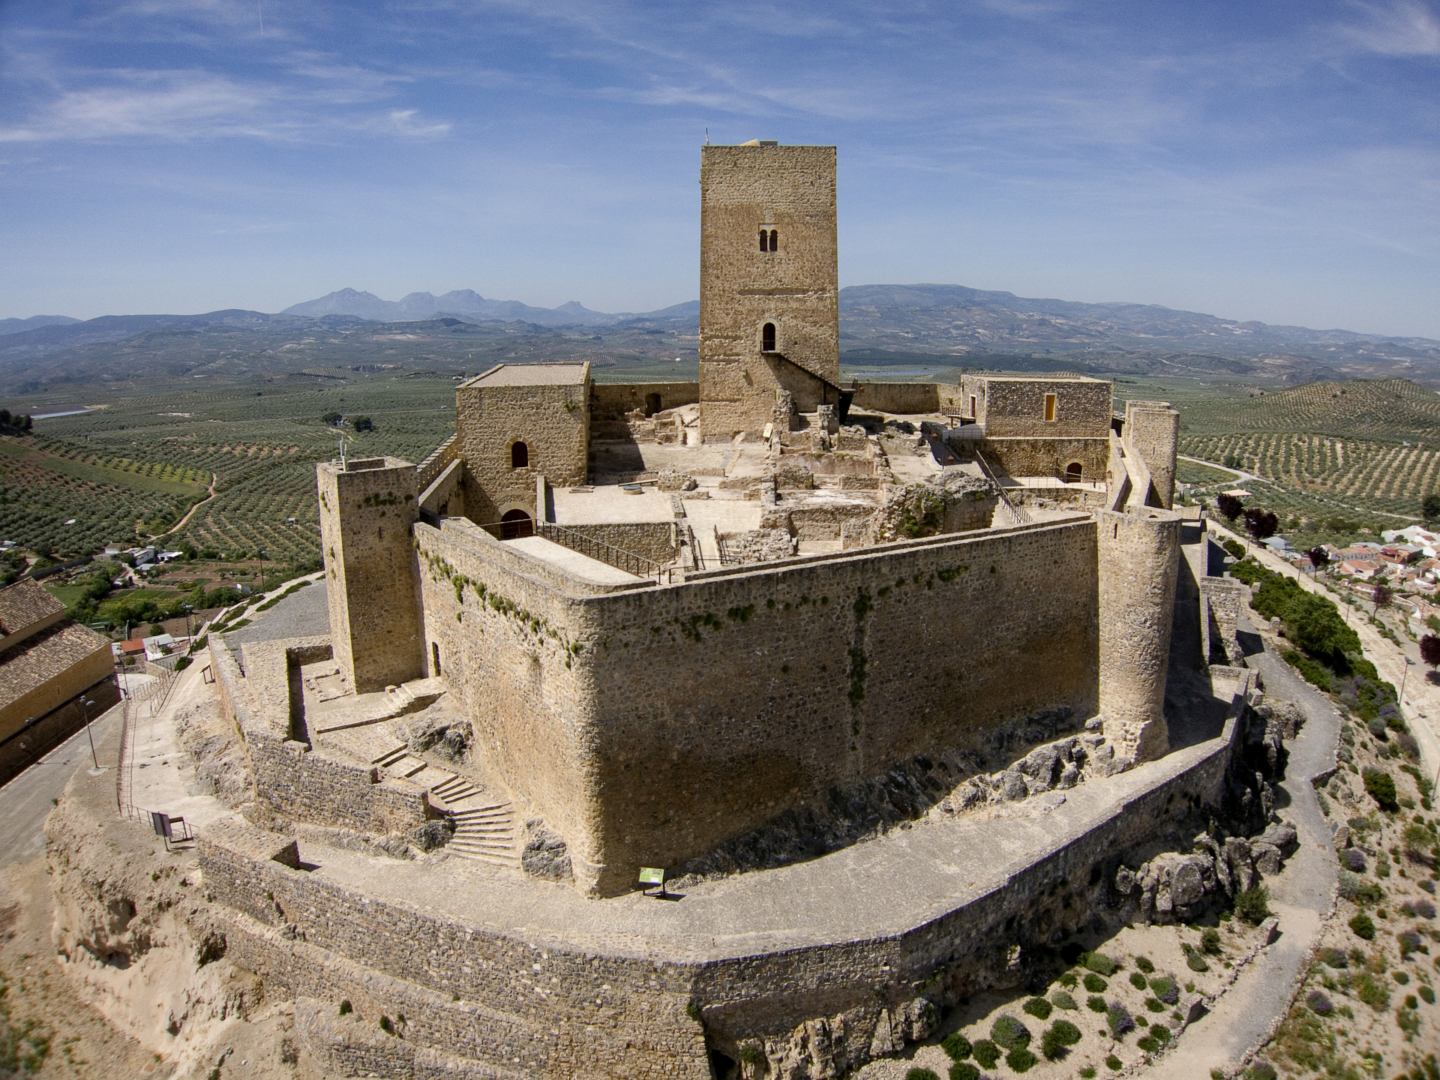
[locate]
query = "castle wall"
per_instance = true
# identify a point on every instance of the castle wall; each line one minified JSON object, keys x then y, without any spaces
{"x":1139,"y":566}
{"x":898,"y":397}
{"x":1152,"y":430}
{"x":366,"y":509}
{"x":529,"y":1002}
{"x":552,"y":419}
{"x":790,"y":189}
{"x":650,"y":724}
{"x":611,"y":401}
{"x":1047,"y":457}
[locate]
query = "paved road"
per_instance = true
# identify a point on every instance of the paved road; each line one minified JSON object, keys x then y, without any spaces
{"x":26,"y":799}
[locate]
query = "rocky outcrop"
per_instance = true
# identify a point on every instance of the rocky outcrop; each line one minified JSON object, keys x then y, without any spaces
{"x":957,"y":502}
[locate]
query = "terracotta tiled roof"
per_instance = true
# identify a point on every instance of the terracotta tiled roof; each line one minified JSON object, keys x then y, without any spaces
{"x":24,"y":604}
{"x":39,"y":659}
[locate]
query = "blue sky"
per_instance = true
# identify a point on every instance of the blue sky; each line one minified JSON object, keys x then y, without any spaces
{"x":1276,"y":160}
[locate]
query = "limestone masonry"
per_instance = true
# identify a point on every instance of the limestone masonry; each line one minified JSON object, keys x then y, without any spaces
{"x":671,"y":625}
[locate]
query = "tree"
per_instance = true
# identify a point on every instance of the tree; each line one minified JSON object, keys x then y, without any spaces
{"x":330,"y":419}
{"x":1430,"y":508}
{"x":1382,"y":596}
{"x":1430,"y":649}
{"x":1319,"y":557}
{"x":1229,"y":506}
{"x":363,"y":423}
{"x":1260,"y":524}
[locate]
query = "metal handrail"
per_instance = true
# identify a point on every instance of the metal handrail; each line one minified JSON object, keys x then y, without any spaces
{"x":726,"y":559}
{"x":1019,"y":516}
{"x":636,"y":565}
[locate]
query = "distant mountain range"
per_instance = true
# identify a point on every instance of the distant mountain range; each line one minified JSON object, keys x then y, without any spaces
{"x":930,"y":327}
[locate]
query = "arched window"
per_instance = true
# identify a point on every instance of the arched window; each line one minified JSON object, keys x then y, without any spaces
{"x":767,"y":337}
{"x":764,"y":238}
{"x":515,"y":524}
{"x":774,"y":239}
{"x":519,"y":456}
{"x":1073,"y":472}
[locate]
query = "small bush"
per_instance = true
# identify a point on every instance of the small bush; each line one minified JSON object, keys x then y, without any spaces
{"x":1096,"y":1003}
{"x":1402,"y":977}
{"x":1334,"y":958}
{"x":1363,"y":927}
{"x":1165,"y":989}
{"x":1372,"y":991}
{"x":1144,"y":964}
{"x":346,"y":1008}
{"x":1087,"y":1073}
{"x":1381,"y":787}
{"x":1409,"y":943}
{"x":1099,"y":963}
{"x":1095,"y":984}
{"x":1261,"y":1070}
{"x":1009,"y":1033}
{"x":1039,"y":1008}
{"x":1353,"y":859}
{"x":1020,"y":1059}
{"x":1149,"y":1045}
{"x":1137,"y":980}
{"x":1253,"y":905}
{"x":987,"y":1053}
{"x":921,"y":1074}
{"x":1119,"y":1019}
{"x":963,"y":1070}
{"x":1196,"y":962}
{"x":1209,"y":942}
{"x":1161,"y":1032}
{"x":1425,"y":909}
{"x":1069,"y":980}
{"x":1058,"y":1036}
{"x":752,"y":1055}
{"x":1319,"y":1004}
{"x":1154,"y":1004}
{"x":183,"y":663}
{"x":1427,"y":995}
{"x":389,"y":1028}
{"x":1113,"y":1063}
{"x":957,"y":1046}
{"x":1062,"y":1000}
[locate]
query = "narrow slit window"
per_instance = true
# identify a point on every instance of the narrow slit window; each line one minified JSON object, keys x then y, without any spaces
{"x":1049,"y":408}
{"x":519,"y":456}
{"x":764,"y":240}
{"x":973,"y":414}
{"x":767,"y":337}
{"x":774,"y":239}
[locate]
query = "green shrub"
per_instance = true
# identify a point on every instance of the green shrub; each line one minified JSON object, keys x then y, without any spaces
{"x":1372,"y":991}
{"x":1154,"y":1004}
{"x":1196,"y":962}
{"x":1363,"y":927}
{"x":1009,"y":1033}
{"x":1099,"y":963}
{"x":1210,"y":941}
{"x":389,"y":1028}
{"x":1137,"y":980}
{"x":1096,"y":1003}
{"x":1146,"y":1043}
{"x":963,"y":1070}
{"x":346,"y":1008}
{"x":1039,"y":1008}
{"x":987,"y":1053}
{"x":1252,"y":905}
{"x":1020,"y":1059}
{"x":1261,"y":1070}
{"x":956,"y":1046}
{"x":1165,"y":989}
{"x":1062,"y":1000}
{"x":1144,"y":964}
{"x":1095,"y":984}
{"x":1113,"y":1063}
{"x":1088,"y":1073}
{"x":1234,"y":547}
{"x":1381,"y":787}
{"x":183,"y":663}
{"x":921,"y":1074}
{"x":1058,"y":1036}
{"x":1069,"y":980}
{"x":752,"y":1055}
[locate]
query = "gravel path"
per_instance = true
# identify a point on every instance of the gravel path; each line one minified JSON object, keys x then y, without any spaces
{"x":303,"y":615}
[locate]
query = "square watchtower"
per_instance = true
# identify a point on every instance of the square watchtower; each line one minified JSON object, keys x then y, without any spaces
{"x":769,"y":283}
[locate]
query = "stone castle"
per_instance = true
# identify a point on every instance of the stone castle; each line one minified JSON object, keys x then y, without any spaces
{"x":671,"y":625}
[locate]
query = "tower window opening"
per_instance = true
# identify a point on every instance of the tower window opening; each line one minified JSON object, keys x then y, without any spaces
{"x":973,"y":415}
{"x":1073,"y":472}
{"x":774,"y":239}
{"x":519,"y":456}
{"x":769,"y":239}
{"x":767,"y":337}
{"x":764,"y":240}
{"x":1049,"y":408}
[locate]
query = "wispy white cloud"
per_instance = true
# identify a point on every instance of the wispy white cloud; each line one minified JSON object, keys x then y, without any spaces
{"x":1397,"y":28}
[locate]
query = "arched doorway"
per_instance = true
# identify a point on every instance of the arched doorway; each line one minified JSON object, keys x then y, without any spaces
{"x":767,"y":337}
{"x":652,"y":404}
{"x":1073,"y":472}
{"x":519,"y":455}
{"x":514,"y":524}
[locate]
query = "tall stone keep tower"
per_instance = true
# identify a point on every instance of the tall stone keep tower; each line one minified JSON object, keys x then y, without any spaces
{"x":367,"y":507}
{"x":769,"y":283}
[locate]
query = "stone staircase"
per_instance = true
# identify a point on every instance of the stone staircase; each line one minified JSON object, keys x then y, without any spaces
{"x":486,"y":833}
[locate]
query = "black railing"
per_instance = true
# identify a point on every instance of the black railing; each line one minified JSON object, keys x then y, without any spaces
{"x":637,"y":565}
{"x":1017,"y":513}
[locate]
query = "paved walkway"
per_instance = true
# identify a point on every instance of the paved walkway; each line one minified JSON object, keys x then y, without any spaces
{"x":1300,"y":897}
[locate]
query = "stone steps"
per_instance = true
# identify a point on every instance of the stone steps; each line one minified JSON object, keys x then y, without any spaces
{"x":486,"y":834}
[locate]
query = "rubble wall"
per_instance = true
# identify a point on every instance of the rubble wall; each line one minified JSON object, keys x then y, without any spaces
{"x":611,"y":401}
